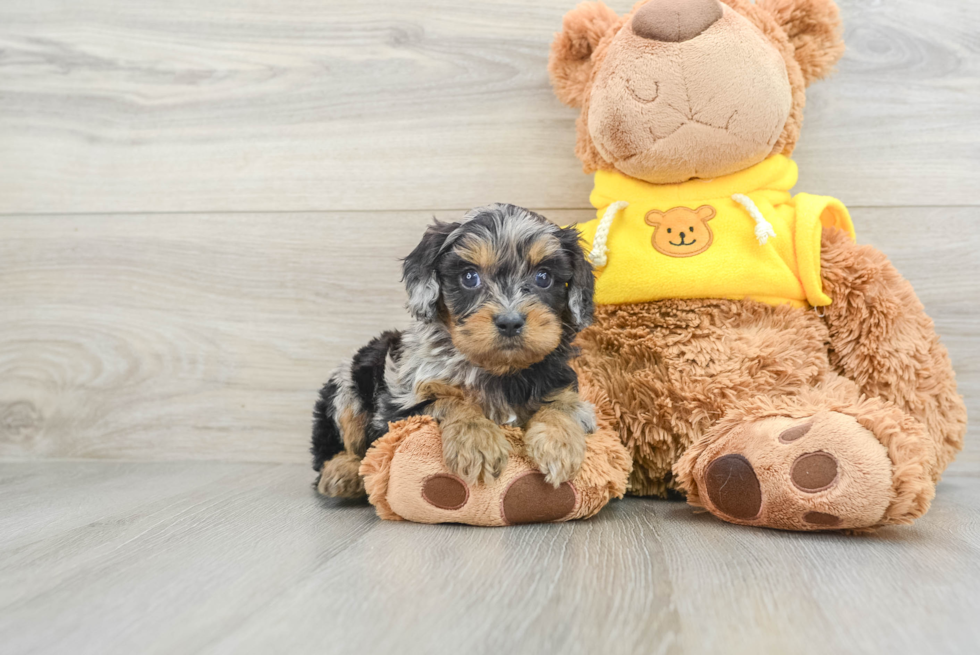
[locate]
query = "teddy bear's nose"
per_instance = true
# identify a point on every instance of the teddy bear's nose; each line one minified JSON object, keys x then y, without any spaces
{"x":675,"y":20}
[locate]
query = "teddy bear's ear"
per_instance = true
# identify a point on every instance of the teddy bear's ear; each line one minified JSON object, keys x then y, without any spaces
{"x":705,"y":213}
{"x":653,"y":217}
{"x":814,"y":29}
{"x":570,"y":62}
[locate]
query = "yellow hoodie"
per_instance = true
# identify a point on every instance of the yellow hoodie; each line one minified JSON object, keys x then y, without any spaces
{"x":738,"y":236}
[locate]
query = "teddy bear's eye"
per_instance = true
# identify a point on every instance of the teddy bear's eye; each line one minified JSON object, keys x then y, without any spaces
{"x":668,"y":230}
{"x":691,"y":229}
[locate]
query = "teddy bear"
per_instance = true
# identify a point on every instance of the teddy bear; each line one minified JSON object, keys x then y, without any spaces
{"x":406,"y":479}
{"x":752,"y":357}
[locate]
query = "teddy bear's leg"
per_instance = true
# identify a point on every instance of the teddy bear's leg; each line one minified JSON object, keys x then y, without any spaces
{"x":881,"y":337}
{"x":406,"y":478}
{"x":669,"y":371}
{"x":826,"y":459}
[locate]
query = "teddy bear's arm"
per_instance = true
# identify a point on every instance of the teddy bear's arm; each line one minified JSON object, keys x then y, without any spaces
{"x":882,"y":338}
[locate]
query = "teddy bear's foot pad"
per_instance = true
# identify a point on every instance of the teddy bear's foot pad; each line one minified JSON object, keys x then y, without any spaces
{"x":406,"y":478}
{"x":733,"y":487}
{"x":527,"y":499}
{"x":445,"y":491}
{"x":818,"y":473}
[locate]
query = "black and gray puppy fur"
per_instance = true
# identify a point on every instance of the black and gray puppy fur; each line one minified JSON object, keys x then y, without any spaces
{"x":386,"y":380}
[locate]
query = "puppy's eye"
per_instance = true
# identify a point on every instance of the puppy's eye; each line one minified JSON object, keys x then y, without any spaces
{"x":543,"y":279}
{"x":470,"y":279}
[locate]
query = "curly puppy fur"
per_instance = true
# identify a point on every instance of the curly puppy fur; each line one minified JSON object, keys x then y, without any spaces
{"x":496,"y":299}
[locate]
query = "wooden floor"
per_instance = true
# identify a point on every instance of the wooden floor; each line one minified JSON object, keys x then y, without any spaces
{"x":202,"y":208}
{"x":113,"y":557}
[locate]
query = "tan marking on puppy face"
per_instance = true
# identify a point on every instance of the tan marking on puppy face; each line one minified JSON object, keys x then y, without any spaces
{"x":477,"y":337}
{"x":352,"y":427}
{"x":681,"y":232}
{"x":542,"y":248}
{"x":542,"y":332}
{"x":478,"y":252}
{"x":481,"y":342}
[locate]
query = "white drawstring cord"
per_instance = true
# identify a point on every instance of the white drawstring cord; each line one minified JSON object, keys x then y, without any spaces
{"x":763,"y":228}
{"x":599,"y":250}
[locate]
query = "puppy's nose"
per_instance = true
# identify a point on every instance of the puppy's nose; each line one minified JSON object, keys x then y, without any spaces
{"x":675,"y":20}
{"x":509,"y":324}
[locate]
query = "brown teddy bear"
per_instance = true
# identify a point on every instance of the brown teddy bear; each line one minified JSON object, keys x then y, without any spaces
{"x":753,"y":356}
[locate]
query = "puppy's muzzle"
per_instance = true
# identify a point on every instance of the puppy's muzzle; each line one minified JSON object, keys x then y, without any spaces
{"x":509,"y":324}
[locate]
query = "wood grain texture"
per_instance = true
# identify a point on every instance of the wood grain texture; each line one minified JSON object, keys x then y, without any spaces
{"x":298,"y":105}
{"x":110,"y":557}
{"x":202,"y":208}
{"x":207,"y":336}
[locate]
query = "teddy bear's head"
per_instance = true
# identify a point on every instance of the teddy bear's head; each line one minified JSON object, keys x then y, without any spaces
{"x":679,"y":89}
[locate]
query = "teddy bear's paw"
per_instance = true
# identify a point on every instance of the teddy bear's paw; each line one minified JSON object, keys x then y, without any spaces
{"x":526,"y":498}
{"x":407,"y":478}
{"x":824,"y":472}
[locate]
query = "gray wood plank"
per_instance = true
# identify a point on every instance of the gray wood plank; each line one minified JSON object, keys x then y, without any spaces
{"x":207,"y":336}
{"x":240,"y":558}
{"x":179,"y":105}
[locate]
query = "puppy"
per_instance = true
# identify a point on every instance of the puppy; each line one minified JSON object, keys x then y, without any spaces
{"x":496,"y":300}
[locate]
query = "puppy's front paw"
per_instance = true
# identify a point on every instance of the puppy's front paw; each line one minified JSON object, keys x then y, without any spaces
{"x":557,"y":445}
{"x":475,"y":449}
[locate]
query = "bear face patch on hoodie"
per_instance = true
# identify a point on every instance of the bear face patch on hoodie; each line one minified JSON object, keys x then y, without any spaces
{"x":738,"y":236}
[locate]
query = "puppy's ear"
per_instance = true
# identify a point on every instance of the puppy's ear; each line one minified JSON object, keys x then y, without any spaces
{"x":814,"y":29}
{"x":570,"y":62}
{"x":419,"y":271}
{"x":581,"y":288}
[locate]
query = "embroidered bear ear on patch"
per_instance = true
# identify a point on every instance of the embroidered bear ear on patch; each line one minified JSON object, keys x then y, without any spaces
{"x":680,"y":231}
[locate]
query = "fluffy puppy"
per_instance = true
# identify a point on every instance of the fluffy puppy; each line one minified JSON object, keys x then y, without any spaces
{"x":496,"y":300}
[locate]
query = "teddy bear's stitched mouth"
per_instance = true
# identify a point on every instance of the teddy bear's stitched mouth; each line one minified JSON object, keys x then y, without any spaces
{"x":682,"y":243}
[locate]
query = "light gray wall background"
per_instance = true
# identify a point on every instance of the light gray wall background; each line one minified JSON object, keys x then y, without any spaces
{"x":202,"y":204}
